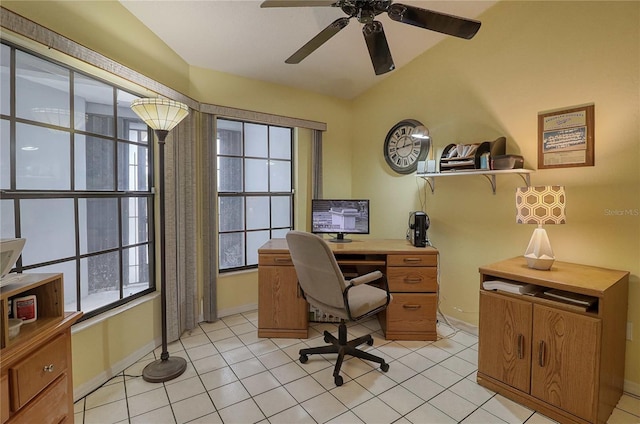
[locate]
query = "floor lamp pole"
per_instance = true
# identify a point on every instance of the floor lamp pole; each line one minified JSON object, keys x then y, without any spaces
{"x":166,"y":368}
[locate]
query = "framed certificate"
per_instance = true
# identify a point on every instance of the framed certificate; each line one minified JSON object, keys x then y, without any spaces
{"x":566,"y":137}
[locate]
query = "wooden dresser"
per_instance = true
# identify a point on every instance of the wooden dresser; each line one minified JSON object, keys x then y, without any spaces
{"x":412,"y":274}
{"x":564,"y":358}
{"x":36,"y":384}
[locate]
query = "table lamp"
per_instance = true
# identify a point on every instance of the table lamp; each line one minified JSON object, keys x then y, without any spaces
{"x":162,"y":115}
{"x":540,"y":205}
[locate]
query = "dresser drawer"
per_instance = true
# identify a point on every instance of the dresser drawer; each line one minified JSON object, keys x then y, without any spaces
{"x":36,"y":371}
{"x":275,"y":260}
{"x":51,"y":407}
{"x":412,"y":279}
{"x":412,"y":260}
{"x":412,"y":313}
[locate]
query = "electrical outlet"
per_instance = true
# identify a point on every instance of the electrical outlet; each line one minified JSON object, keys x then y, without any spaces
{"x":629,"y":330}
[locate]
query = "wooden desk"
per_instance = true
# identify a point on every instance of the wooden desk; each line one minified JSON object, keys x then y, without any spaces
{"x":412,"y":274}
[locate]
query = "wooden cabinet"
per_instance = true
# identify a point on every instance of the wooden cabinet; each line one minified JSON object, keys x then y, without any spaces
{"x":412,"y":274}
{"x":563,"y":359}
{"x":36,"y":383}
{"x":413,"y":283}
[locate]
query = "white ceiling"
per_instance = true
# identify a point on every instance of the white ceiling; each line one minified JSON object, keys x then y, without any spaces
{"x":240,"y":38}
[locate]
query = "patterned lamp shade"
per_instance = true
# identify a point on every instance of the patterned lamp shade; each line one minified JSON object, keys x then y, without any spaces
{"x":540,"y":205}
{"x":160,"y":114}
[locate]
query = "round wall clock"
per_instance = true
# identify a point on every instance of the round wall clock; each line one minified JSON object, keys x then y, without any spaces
{"x":401,"y":151}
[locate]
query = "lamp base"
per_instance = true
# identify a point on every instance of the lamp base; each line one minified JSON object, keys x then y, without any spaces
{"x":164,"y":369}
{"x":539,"y":254}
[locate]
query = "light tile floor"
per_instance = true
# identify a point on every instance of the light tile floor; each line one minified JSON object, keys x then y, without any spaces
{"x":233,"y":376}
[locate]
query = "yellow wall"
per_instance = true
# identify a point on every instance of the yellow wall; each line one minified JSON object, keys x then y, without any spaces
{"x":528,"y":57}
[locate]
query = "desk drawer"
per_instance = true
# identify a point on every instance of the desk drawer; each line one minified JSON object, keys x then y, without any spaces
{"x":274,"y":260}
{"x":51,"y":407}
{"x":412,"y":260}
{"x":35,"y":372}
{"x":412,"y":313}
{"x":412,"y":279}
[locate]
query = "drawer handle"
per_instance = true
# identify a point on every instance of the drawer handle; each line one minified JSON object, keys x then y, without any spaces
{"x":412,"y":260}
{"x":412,"y":307}
{"x":282,"y":260}
{"x":48,"y":368}
{"x":413,"y":280}
{"x":520,"y":346}
{"x":541,"y":353}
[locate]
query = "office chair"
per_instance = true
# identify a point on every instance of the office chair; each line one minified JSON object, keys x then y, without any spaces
{"x":324,"y":286}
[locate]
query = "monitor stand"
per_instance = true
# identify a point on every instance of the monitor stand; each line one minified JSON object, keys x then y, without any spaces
{"x":340,"y":239}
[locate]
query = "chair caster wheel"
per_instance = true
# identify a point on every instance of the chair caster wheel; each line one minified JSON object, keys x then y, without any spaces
{"x":305,"y":358}
{"x":384,"y":367}
{"x":338,"y":380}
{"x":370,"y":342}
{"x":327,"y":339}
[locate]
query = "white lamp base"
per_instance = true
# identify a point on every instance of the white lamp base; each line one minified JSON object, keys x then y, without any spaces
{"x":539,"y":254}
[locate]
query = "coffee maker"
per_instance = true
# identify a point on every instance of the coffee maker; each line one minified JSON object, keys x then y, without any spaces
{"x":418,"y":226}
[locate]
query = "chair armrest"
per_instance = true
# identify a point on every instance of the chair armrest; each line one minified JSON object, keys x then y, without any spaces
{"x":366,"y":278}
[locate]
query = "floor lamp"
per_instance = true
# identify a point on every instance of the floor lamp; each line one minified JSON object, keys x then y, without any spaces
{"x":162,"y":116}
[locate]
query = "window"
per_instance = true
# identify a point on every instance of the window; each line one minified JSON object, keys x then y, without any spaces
{"x":76,"y":181}
{"x":255,"y":196}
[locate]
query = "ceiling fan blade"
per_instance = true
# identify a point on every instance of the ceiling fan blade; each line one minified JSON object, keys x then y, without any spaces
{"x":435,"y":21}
{"x":378,"y":47}
{"x":322,"y":37}
{"x":297,"y":3}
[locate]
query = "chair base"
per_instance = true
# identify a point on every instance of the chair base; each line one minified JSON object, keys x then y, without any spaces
{"x":342,"y":347}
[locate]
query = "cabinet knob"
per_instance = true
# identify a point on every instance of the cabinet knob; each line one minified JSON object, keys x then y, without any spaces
{"x":541,"y":353}
{"x":520,"y":346}
{"x":412,"y":307}
{"x":412,"y":260}
{"x":48,"y":368}
{"x":413,"y":280}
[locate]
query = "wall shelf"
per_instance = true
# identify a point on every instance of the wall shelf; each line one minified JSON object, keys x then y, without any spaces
{"x":489,"y":174}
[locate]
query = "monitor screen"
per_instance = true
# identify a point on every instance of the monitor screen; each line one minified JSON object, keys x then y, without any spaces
{"x":340,"y":217}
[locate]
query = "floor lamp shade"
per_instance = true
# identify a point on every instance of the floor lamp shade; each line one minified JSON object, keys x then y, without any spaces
{"x":162,"y":116}
{"x":540,"y":205}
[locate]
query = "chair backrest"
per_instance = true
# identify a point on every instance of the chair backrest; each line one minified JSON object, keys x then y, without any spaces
{"x":318,"y":272}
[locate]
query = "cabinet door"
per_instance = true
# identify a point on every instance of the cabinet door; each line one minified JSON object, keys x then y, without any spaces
{"x":504,"y":350}
{"x":566,"y":354}
{"x":280,"y":303}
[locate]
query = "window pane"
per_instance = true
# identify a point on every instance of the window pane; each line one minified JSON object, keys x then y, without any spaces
{"x":101,"y":273}
{"x":135,"y":266}
{"x":229,"y":140}
{"x":279,"y":233}
{"x":7,"y":220}
{"x":280,"y":143}
{"x":130,"y":126}
{"x":94,"y":163}
{"x":255,"y":239}
{"x":257,"y":212}
{"x":231,"y":214}
{"x":256,"y":175}
{"x":98,"y":224}
{"x":42,"y":91}
{"x":42,"y":158}
{"x":280,"y":174}
{"x":229,"y":174}
{"x":133,"y":167}
{"x":93,"y":104}
{"x":255,"y":140}
{"x":231,"y":250}
{"x":5,"y":155}
{"x":49,"y":234}
{"x":5,"y":91}
{"x":68,"y":269}
{"x":135,"y":227}
{"x":280,"y":211}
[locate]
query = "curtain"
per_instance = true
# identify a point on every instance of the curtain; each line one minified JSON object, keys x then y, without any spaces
{"x":316,"y":163}
{"x":207,"y":157}
{"x":180,"y":228}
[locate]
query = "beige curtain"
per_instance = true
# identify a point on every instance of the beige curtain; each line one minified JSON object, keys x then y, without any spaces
{"x":180,"y":227}
{"x":316,"y":164}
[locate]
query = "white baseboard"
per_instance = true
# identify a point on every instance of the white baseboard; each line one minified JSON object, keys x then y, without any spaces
{"x":91,"y":385}
{"x":460,"y":325}
{"x":632,"y":388}
{"x":237,"y":310}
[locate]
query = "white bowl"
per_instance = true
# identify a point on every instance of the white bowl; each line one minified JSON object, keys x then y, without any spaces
{"x":14,"y":327}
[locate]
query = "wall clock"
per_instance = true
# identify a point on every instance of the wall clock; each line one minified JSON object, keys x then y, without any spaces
{"x":403,"y":152}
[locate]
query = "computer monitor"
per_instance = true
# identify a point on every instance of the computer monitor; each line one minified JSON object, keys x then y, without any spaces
{"x":340,"y":217}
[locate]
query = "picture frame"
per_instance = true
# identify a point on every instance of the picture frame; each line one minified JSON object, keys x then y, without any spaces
{"x":566,"y":137}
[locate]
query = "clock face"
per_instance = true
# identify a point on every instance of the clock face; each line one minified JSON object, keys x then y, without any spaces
{"x":401,"y":151}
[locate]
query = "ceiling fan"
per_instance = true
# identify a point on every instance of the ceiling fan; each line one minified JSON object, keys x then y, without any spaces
{"x":365,"y":11}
